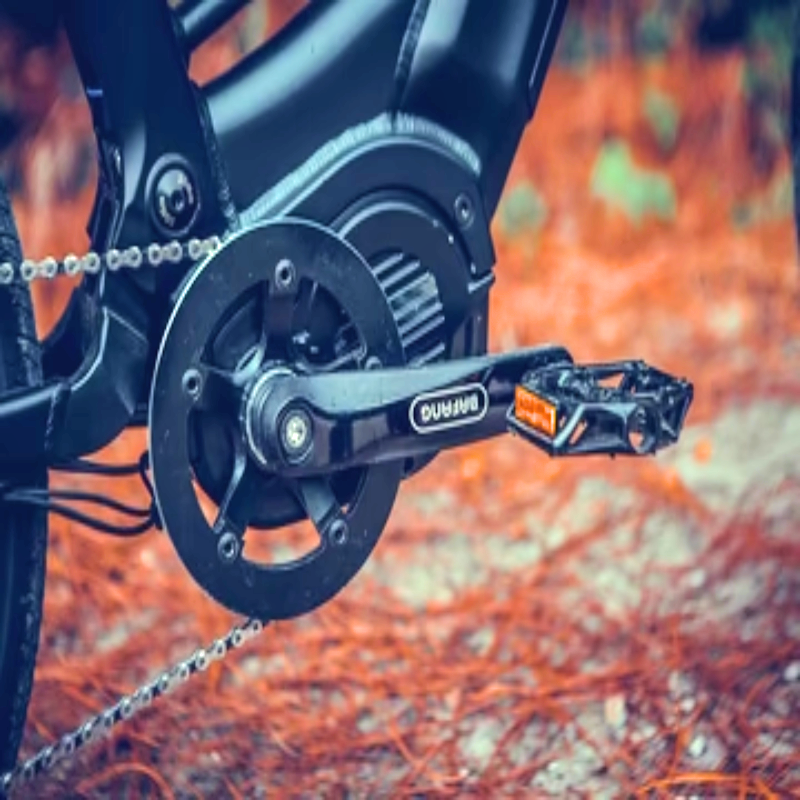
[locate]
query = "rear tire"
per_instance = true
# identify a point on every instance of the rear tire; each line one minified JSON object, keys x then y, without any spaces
{"x":23,"y":530}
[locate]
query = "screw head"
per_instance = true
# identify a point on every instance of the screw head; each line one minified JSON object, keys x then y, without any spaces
{"x":285,"y":274}
{"x":175,"y":199}
{"x":464,"y":210}
{"x":296,"y":434}
{"x":228,"y":547}
{"x":192,"y":383}
{"x":339,"y":532}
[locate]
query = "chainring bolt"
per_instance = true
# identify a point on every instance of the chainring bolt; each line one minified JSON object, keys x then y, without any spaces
{"x":285,"y":274}
{"x":296,"y":434}
{"x":228,"y":548}
{"x":339,"y":532}
{"x":192,"y":383}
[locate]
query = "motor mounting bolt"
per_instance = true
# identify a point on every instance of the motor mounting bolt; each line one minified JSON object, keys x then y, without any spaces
{"x":464,"y":210}
{"x":175,"y":199}
{"x":296,"y":434}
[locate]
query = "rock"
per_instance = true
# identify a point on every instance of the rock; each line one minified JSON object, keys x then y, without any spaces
{"x":792,"y":672}
{"x":697,"y":747}
{"x":478,"y":746}
{"x":688,"y":704}
{"x":696,"y":579}
{"x":616,"y":712}
{"x":679,"y":685}
{"x":570,"y":773}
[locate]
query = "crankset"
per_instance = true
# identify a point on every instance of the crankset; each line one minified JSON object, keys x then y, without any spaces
{"x":282,"y":391}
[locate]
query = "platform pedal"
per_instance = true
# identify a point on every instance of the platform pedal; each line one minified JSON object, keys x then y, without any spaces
{"x":621,"y":408}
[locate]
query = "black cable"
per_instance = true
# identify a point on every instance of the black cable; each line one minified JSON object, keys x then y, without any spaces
{"x":408,"y":48}
{"x":83,"y":466}
{"x":87,"y":497}
{"x":78,"y":516}
{"x":144,"y":465}
{"x":48,"y":498}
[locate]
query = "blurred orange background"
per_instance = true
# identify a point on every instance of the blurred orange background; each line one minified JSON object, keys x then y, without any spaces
{"x":526,"y":627}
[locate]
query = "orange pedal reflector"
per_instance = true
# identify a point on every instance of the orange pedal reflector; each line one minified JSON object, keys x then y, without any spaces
{"x":535,"y":412}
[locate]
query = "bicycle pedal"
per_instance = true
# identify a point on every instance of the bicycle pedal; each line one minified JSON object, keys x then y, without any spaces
{"x":621,"y":408}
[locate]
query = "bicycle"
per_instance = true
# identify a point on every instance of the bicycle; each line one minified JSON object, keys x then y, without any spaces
{"x":291,"y":295}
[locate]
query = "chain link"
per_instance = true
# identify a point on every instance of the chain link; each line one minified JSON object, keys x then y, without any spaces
{"x":102,"y":724}
{"x":92,"y":262}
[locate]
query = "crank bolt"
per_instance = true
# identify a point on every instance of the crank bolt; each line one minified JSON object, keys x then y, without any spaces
{"x":192,"y":383}
{"x":339,"y":532}
{"x":296,"y":435}
{"x":464,"y":210}
{"x":228,"y":547}
{"x":284,"y":274}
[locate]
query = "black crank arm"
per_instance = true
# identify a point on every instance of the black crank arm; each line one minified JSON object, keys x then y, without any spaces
{"x":305,"y":425}
{"x":366,"y":417}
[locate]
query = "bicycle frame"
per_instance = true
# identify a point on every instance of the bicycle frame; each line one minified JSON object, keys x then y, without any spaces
{"x":473,"y":69}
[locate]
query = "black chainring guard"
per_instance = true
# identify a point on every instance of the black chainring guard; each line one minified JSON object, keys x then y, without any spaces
{"x":213,"y":453}
{"x":247,"y":260}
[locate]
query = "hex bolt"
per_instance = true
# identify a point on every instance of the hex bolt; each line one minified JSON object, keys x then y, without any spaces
{"x":285,"y":274}
{"x":464,"y":210}
{"x":339,"y":532}
{"x":296,"y":434}
{"x":192,"y":383}
{"x":228,"y":547}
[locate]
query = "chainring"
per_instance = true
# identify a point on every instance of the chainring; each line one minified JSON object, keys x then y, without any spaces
{"x":280,"y":295}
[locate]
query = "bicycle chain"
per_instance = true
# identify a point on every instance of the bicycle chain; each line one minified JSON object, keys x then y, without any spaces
{"x":92,"y":262}
{"x":103,"y":724}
